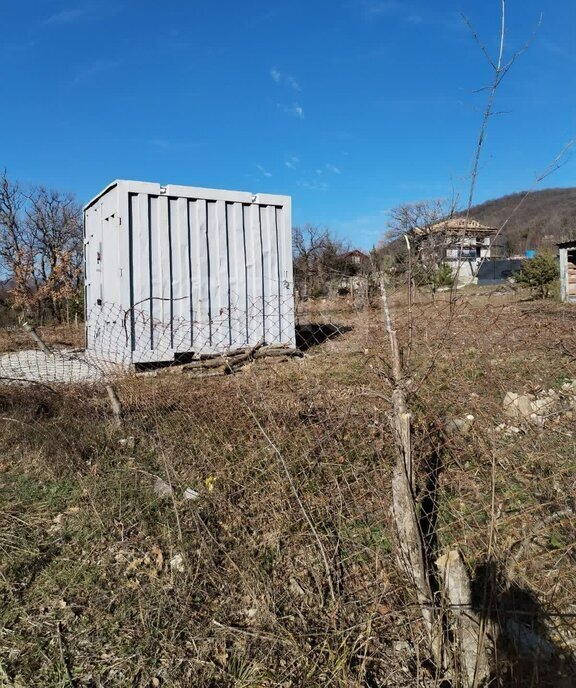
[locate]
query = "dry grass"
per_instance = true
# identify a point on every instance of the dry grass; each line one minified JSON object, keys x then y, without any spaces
{"x":104,"y":583}
{"x":56,"y":336}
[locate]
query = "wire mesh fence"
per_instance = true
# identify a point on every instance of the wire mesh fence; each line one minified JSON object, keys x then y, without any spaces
{"x":234,"y":528}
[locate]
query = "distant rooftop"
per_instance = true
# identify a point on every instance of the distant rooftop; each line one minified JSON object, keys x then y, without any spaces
{"x":456,"y":225}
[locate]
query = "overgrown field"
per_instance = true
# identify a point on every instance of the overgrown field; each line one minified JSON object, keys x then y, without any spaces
{"x":277,"y":568}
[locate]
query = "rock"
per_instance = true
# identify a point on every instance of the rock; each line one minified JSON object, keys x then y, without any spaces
{"x":460,"y":425}
{"x":401,"y":646}
{"x":509,"y":403}
{"x":127,"y":443}
{"x":177,"y":563}
{"x":543,"y":406}
{"x":251,"y":613}
{"x":162,"y":489}
{"x":524,"y":405}
{"x":295,"y":587}
{"x":518,"y":405}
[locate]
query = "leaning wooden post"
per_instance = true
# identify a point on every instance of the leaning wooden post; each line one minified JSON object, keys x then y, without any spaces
{"x":410,"y":541}
{"x":36,"y":337}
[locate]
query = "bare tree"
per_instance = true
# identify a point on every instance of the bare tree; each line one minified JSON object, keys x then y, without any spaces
{"x":319,"y":258}
{"x":54,"y":221}
{"x":406,"y":218}
{"x":40,"y":248}
{"x":16,"y":252}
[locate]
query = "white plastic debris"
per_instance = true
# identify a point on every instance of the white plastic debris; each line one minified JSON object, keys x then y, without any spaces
{"x":189,"y":493}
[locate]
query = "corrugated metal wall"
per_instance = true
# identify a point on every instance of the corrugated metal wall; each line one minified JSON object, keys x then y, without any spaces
{"x":205,"y":274}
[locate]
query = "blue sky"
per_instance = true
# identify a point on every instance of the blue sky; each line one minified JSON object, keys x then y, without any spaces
{"x":349,"y":106}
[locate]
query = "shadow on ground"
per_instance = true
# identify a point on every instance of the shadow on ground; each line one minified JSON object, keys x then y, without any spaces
{"x":526,"y":654}
{"x":312,"y":334}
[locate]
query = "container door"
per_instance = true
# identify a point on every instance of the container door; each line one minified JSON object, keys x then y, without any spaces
{"x":93,"y":297}
{"x":105,"y":273}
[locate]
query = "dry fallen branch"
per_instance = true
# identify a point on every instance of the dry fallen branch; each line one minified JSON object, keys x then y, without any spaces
{"x":278,"y":351}
{"x":224,"y":364}
{"x":115,"y":405}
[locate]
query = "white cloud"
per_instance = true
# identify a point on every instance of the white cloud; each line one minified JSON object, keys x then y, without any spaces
{"x":294,"y":83}
{"x":555,"y":48}
{"x":296,"y":110}
{"x":332,"y":168}
{"x":162,"y":144}
{"x":313,"y":185}
{"x":85,"y":11}
{"x":292,"y":161}
{"x":93,"y":69}
{"x":278,"y":77}
{"x":15,"y":48}
{"x":413,"y":14}
{"x":263,"y":171}
{"x":70,"y":16}
{"x":376,"y":7}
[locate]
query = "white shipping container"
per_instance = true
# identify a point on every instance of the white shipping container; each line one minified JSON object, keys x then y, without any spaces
{"x":178,"y":270}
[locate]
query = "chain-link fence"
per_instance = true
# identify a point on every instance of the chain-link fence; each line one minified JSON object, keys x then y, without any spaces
{"x":228,"y":522}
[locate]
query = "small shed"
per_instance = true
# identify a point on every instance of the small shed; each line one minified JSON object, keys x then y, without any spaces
{"x":568,"y":271}
{"x":173,"y":271}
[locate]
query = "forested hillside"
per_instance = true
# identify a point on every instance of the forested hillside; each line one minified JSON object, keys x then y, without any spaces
{"x":544,"y":218}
